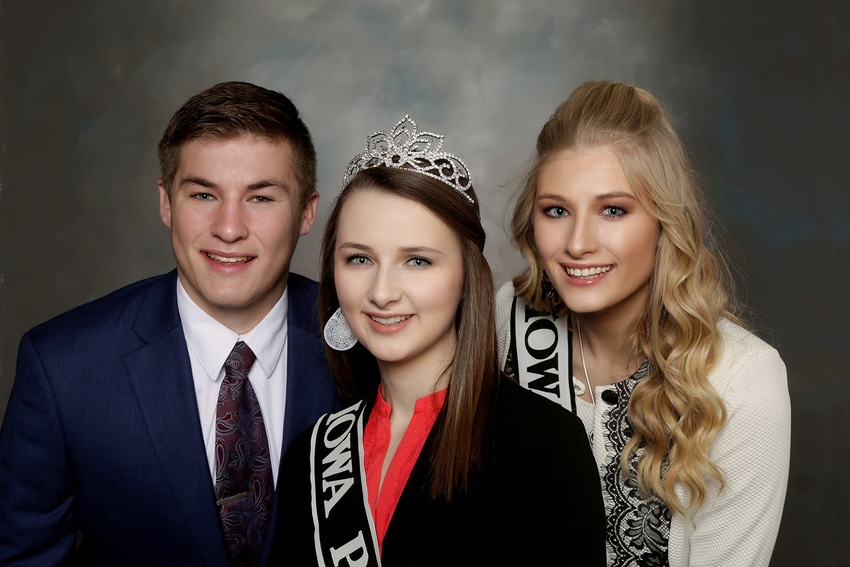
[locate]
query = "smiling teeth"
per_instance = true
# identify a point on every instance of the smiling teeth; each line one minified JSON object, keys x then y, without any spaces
{"x":235,"y":260}
{"x":390,"y":320}
{"x":585,"y":272}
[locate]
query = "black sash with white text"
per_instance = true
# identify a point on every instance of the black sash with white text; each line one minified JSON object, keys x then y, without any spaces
{"x":344,"y":527}
{"x":542,"y":353}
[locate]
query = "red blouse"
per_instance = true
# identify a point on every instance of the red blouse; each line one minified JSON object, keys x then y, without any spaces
{"x":376,"y":441}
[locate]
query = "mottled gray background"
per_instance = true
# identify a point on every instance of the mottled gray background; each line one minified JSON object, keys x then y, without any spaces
{"x":759,"y":91}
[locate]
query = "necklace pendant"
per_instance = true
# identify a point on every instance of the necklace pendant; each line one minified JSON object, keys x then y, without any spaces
{"x":578,"y":386}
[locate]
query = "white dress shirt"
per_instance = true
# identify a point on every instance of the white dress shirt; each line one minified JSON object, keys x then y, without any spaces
{"x":210,"y":343}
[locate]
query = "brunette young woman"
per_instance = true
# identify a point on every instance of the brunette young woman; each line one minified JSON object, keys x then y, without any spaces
{"x":626,"y":316}
{"x":441,"y":461}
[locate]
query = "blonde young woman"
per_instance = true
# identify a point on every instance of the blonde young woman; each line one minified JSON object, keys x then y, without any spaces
{"x":625,"y":316}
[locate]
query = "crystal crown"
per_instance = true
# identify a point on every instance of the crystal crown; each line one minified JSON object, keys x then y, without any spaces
{"x":406,"y":148}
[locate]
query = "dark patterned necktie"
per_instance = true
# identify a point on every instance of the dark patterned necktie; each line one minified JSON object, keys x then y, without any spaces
{"x":243,"y":474}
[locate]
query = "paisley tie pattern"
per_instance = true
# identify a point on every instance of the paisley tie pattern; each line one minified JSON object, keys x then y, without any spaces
{"x":243,"y":476}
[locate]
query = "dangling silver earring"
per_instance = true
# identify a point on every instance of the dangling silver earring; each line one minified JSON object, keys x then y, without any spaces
{"x":551,"y":296}
{"x":338,"y":333}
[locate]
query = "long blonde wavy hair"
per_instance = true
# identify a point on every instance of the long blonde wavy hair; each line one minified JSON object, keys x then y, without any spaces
{"x":675,"y":412}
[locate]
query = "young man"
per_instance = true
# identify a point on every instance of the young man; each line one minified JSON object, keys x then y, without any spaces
{"x":124,"y":424}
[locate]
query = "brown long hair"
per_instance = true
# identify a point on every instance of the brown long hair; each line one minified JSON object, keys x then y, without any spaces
{"x":675,"y":412}
{"x":475,"y":369}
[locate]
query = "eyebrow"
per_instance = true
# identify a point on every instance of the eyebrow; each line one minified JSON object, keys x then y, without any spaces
{"x":420,"y":249}
{"x":194,"y":180}
{"x":602,"y":197}
{"x":407,"y":249}
{"x":354,"y":245}
{"x":268,"y":183}
{"x":615,"y":195}
{"x":261,"y":184}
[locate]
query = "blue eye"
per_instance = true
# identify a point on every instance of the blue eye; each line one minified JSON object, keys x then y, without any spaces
{"x":419,"y":261}
{"x":358,"y":260}
{"x":202,"y":196}
{"x":555,"y":212}
{"x":614,"y":211}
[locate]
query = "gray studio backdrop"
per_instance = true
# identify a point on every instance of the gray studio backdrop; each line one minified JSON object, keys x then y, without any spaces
{"x":758,"y":90}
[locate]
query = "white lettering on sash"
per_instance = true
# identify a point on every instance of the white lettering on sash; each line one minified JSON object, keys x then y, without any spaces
{"x":338,"y":459}
{"x":348,"y":551}
{"x":541,"y":340}
{"x":542,"y":349}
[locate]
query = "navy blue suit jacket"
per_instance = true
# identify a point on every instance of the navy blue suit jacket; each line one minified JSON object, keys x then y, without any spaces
{"x":102,"y":433}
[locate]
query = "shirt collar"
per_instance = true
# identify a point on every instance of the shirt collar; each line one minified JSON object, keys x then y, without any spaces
{"x":430,"y":403}
{"x":211,"y":342}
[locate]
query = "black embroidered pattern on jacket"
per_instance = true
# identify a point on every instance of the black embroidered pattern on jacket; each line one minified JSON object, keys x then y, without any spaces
{"x":638,"y":528}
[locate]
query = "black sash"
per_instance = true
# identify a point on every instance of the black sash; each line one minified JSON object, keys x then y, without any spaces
{"x":542,"y":355}
{"x":344,"y":527}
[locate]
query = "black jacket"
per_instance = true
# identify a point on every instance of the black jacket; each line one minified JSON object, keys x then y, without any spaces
{"x":536,"y":500}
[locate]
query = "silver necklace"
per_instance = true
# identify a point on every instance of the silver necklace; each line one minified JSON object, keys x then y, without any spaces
{"x":583,"y":365}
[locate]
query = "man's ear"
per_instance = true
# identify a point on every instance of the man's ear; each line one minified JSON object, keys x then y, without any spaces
{"x":308,"y":213}
{"x":164,"y":204}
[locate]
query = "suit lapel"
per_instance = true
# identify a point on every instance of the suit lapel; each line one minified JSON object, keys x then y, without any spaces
{"x":161,"y":376}
{"x":309,"y":389}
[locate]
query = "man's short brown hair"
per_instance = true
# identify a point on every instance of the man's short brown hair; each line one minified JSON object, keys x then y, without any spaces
{"x":232,"y":109}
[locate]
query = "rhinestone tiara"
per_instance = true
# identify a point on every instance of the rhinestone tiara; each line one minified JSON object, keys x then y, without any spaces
{"x":405,"y":148}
